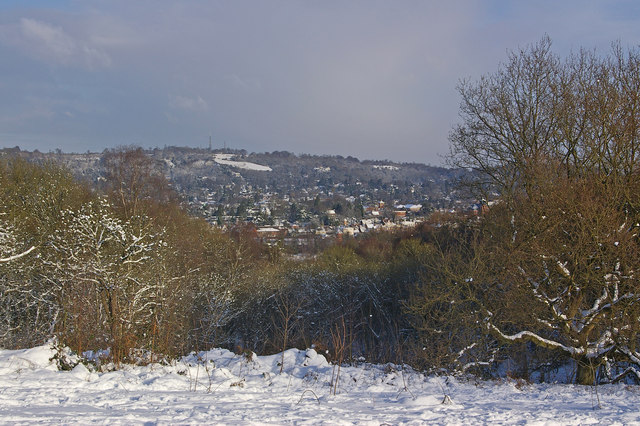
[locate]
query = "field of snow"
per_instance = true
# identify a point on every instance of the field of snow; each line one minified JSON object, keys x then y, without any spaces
{"x":219,"y":387}
{"x":226,"y":159}
{"x":387,"y":167}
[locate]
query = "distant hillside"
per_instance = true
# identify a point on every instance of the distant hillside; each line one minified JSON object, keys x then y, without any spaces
{"x":225,"y":176}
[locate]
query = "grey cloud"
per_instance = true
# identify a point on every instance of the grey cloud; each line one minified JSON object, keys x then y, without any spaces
{"x":50,"y":43}
{"x":188,"y":103}
{"x":245,"y":84}
{"x":374,"y":79}
{"x":48,"y":38}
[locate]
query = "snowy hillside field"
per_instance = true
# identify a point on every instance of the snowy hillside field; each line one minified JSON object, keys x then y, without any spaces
{"x":219,"y":387}
{"x":227,"y":159}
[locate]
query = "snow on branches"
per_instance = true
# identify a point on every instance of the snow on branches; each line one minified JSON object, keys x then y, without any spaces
{"x":9,"y":250}
{"x":99,"y":262}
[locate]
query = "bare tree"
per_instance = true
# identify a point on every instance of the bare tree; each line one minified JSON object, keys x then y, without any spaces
{"x":559,"y":140}
{"x":132,"y":178}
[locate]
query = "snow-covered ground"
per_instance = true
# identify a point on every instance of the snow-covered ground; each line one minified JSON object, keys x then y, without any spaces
{"x":226,"y":159}
{"x":220,"y":387}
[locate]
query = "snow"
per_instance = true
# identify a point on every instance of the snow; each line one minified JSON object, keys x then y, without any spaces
{"x":221,"y":387}
{"x":17,"y":256}
{"x":268,"y":229}
{"x":226,"y":159}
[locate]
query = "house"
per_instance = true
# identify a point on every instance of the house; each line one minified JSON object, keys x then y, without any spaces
{"x":367,"y":224}
{"x":480,"y":208}
{"x":350,"y":231}
{"x":270,"y":234}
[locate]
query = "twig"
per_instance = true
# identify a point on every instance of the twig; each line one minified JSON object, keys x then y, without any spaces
{"x":308,"y":390}
{"x":17,"y":256}
{"x":595,"y":387}
{"x":404,"y":382}
{"x":447,"y":399}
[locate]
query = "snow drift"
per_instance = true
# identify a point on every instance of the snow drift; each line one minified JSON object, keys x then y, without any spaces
{"x":219,"y":386}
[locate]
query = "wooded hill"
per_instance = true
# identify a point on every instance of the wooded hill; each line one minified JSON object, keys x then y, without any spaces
{"x":195,"y":173}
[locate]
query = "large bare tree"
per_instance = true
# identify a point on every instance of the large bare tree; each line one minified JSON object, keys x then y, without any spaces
{"x":558,"y":140}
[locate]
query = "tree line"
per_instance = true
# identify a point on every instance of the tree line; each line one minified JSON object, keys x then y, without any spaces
{"x":123,"y":266}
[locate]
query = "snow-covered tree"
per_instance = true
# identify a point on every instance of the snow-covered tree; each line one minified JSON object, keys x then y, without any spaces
{"x":572,"y":268}
{"x":101,"y":267}
{"x":17,"y":296}
{"x":32,"y":197}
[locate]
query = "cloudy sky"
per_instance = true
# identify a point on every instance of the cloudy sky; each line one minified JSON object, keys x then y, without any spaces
{"x":372,"y":79}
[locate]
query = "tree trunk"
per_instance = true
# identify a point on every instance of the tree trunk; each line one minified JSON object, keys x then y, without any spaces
{"x":586,"y":371}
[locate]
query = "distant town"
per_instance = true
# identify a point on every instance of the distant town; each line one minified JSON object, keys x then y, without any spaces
{"x":293,"y":200}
